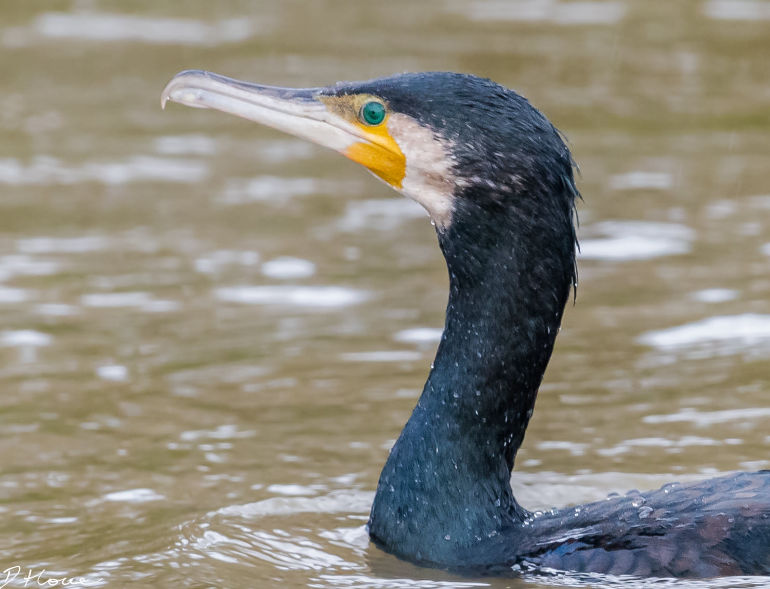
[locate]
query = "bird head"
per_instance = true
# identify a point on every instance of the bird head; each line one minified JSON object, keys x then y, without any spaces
{"x":452,"y":142}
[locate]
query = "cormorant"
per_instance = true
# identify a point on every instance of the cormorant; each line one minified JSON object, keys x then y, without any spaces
{"x":497,"y":181}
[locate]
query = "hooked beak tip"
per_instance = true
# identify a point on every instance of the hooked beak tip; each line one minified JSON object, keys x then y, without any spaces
{"x":165,"y":96}
{"x":176,"y":82}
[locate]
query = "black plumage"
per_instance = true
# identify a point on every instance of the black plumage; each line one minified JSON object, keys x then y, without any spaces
{"x":507,"y":231}
{"x":444,"y":497}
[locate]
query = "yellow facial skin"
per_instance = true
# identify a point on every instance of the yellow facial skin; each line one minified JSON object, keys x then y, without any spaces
{"x":377,"y":151}
{"x":330,"y":120}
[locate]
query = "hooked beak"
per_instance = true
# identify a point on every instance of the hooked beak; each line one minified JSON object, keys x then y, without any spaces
{"x":295,"y":111}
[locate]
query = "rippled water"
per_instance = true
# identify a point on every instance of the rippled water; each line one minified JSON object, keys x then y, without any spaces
{"x":212,"y":333}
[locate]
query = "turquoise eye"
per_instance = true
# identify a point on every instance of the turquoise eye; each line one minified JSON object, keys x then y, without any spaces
{"x":372,"y":113}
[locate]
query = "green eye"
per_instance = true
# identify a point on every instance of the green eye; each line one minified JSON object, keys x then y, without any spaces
{"x":372,"y":113}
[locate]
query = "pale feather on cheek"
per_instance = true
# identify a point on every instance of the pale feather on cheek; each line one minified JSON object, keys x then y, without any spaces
{"x":430,"y":178}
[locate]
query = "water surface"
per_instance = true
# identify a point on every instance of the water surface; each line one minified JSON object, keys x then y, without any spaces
{"x":212,"y":333}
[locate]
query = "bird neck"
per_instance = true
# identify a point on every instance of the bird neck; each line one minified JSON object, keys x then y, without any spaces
{"x":445,"y":488}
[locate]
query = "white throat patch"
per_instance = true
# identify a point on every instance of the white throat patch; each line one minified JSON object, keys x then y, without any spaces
{"x":429,"y":177}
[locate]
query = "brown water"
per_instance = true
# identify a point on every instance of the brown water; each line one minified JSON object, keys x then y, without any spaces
{"x":206,"y":325}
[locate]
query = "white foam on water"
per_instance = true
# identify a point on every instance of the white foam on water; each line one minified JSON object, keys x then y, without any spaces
{"x":737,"y":9}
{"x":112,"y":27}
{"x":48,"y":171}
{"x":382,"y":356}
{"x":636,"y":240}
{"x":292,"y":490}
{"x":765,"y":249}
{"x":283,"y":550}
{"x":683,"y":442}
{"x":56,"y":309}
{"x":222,"y":432}
{"x":61,"y":520}
{"x":215,"y":261}
{"x":589,"y":13}
{"x":112,"y":372}
{"x":279,"y":151}
{"x":218,"y":373}
{"x":739,"y":331}
{"x":145,"y":168}
{"x":760,"y":201}
{"x":26,"y":341}
{"x":24,"y":265}
{"x":631,"y":247}
{"x":544,"y":490}
{"x":142,"y":300}
{"x":370,"y":581}
{"x":721,"y":209}
{"x":116,"y":299}
{"x":383,"y":214}
{"x":10,"y":295}
{"x":300,"y":296}
{"x":24,"y":338}
{"x":419,"y":335}
{"x":62,"y":245}
{"x":133,"y":496}
{"x":639,"y":180}
{"x":356,"y":536}
{"x":192,"y":144}
{"x":707,"y":418}
{"x":715,"y":295}
{"x":160,"y":306}
{"x":551,"y":11}
{"x":22,"y":428}
{"x":347,"y":501}
{"x":269,"y":189}
{"x":573,"y":448}
{"x":286,"y":268}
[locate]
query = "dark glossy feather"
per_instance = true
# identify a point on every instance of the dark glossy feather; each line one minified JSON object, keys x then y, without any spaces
{"x":711,"y":528}
{"x":444,"y":497}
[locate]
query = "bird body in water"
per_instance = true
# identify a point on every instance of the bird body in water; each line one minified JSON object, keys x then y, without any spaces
{"x":497,"y":181}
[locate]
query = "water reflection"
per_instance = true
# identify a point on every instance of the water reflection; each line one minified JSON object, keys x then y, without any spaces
{"x":548,"y":11}
{"x":716,"y":335}
{"x":750,"y":10}
{"x":46,"y":170}
{"x":300,"y":296}
{"x":635,"y":240}
{"x":116,"y":28}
